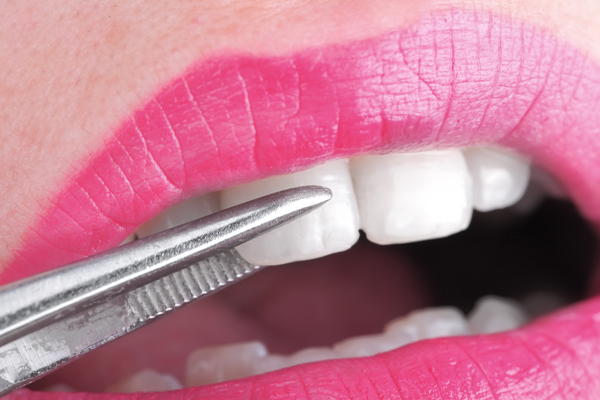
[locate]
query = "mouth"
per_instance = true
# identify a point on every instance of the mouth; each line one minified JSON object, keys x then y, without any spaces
{"x":411,"y":130}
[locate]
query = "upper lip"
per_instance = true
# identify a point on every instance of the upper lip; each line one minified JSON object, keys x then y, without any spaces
{"x":453,"y":79}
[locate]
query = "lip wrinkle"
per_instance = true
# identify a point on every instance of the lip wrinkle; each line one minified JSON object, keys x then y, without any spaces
{"x":454,"y":79}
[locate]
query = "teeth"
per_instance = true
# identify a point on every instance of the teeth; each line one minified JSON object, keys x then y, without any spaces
{"x":186,"y":211}
{"x":223,"y":363}
{"x":330,"y":229}
{"x":218,"y":364}
{"x":548,"y":183}
{"x":534,"y":195}
{"x":59,"y":387}
{"x":493,"y":314}
{"x":311,"y":355}
{"x":146,"y":381}
{"x":399,"y":197}
{"x":410,"y":197}
{"x":394,"y":198}
{"x":273,"y":362}
{"x":430,"y":323}
{"x":269,"y":363}
{"x":423,"y":324}
{"x":499,"y":177}
{"x":369,"y":345}
{"x":129,"y":238}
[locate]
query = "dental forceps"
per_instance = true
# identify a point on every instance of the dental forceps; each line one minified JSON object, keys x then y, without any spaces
{"x":53,"y":318}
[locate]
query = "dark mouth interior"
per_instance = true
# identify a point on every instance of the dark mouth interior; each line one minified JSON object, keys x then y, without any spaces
{"x":503,"y":253}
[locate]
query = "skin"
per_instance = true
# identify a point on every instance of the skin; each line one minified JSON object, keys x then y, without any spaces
{"x":73,"y":70}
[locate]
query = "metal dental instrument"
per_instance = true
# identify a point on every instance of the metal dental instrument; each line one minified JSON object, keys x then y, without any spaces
{"x":53,"y":318}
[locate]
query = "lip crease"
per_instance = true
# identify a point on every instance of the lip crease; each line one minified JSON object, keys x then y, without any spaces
{"x":455,"y":78}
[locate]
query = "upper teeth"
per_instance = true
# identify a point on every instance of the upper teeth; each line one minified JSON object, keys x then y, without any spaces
{"x":186,"y":211}
{"x":499,"y":178}
{"x":394,"y":198}
{"x":413,"y":196}
{"x":330,"y":229}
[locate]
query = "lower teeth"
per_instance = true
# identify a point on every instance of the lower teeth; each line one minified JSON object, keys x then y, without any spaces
{"x":490,"y":315}
{"x":209,"y":365}
{"x":146,"y":381}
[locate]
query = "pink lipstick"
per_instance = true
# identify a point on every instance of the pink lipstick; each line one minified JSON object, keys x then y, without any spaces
{"x":453,"y":79}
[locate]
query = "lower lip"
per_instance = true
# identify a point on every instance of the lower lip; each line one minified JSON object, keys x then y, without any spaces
{"x":235,"y":119}
{"x":555,"y":357}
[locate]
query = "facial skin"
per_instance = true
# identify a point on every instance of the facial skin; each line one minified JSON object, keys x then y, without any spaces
{"x":73,"y":70}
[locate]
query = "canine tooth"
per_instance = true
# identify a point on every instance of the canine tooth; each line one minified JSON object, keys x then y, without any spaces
{"x":269,"y":363}
{"x":146,"y":380}
{"x":312,"y":354}
{"x":129,"y":238}
{"x":534,"y":196}
{"x":430,"y":323}
{"x":186,"y":211}
{"x":59,"y":387}
{"x":412,"y":196}
{"x":273,"y":362}
{"x":548,"y":183}
{"x":369,"y":345}
{"x":222,"y":363}
{"x":330,"y":229}
{"x":493,"y":314}
{"x":499,"y":177}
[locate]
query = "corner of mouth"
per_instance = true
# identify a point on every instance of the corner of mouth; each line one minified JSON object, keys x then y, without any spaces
{"x":238,"y":119}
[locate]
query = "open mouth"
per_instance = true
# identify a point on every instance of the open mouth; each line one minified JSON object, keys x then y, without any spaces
{"x":399,"y":127}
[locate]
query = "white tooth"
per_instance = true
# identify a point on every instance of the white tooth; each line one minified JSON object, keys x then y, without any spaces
{"x":534,"y":196}
{"x":412,"y":196}
{"x":146,"y":381}
{"x":499,"y":177}
{"x":430,"y":323}
{"x":129,"y":239}
{"x":494,"y":314}
{"x":330,"y":229}
{"x":186,"y":211}
{"x":311,"y":355}
{"x":274,"y":362}
{"x":548,"y":183}
{"x":218,"y":364}
{"x":369,"y":345}
{"x":271,"y":362}
{"x":59,"y":387}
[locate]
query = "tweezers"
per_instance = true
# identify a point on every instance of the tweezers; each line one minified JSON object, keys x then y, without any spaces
{"x":53,"y":318}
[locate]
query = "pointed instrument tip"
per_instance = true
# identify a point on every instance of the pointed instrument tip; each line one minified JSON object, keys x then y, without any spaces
{"x":285,"y":206}
{"x":319,"y":194}
{"x":304,"y":198}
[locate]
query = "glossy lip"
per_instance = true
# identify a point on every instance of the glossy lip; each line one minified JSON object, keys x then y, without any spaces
{"x":455,"y":78}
